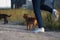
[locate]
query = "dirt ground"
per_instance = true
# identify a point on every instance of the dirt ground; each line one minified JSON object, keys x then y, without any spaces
{"x":18,"y":32}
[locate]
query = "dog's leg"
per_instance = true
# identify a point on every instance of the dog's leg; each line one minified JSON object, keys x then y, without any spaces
{"x":30,"y":26}
{"x":5,"y":20}
{"x":35,"y":24}
{"x":27,"y":26}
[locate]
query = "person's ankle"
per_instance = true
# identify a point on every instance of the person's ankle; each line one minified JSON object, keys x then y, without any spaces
{"x":55,"y":15}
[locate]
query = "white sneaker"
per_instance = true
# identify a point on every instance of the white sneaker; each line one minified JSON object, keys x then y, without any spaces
{"x":39,"y":30}
{"x":55,"y":14}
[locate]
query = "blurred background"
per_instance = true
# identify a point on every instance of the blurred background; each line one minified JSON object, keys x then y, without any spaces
{"x":17,"y":8}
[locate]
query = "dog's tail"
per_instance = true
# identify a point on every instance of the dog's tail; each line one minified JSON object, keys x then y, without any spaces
{"x":9,"y":15}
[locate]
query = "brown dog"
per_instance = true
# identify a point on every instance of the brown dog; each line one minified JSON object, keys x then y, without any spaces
{"x":31,"y":21}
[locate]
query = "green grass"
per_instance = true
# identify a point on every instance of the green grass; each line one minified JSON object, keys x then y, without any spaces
{"x":17,"y":15}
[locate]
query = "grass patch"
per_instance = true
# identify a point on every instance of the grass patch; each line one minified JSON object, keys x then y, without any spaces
{"x":17,"y":16}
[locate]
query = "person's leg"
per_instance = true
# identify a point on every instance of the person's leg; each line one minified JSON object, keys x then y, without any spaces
{"x":46,"y":8}
{"x":53,"y":11}
{"x":36,"y":6}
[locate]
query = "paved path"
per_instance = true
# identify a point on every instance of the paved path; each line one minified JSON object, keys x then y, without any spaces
{"x":17,"y":32}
